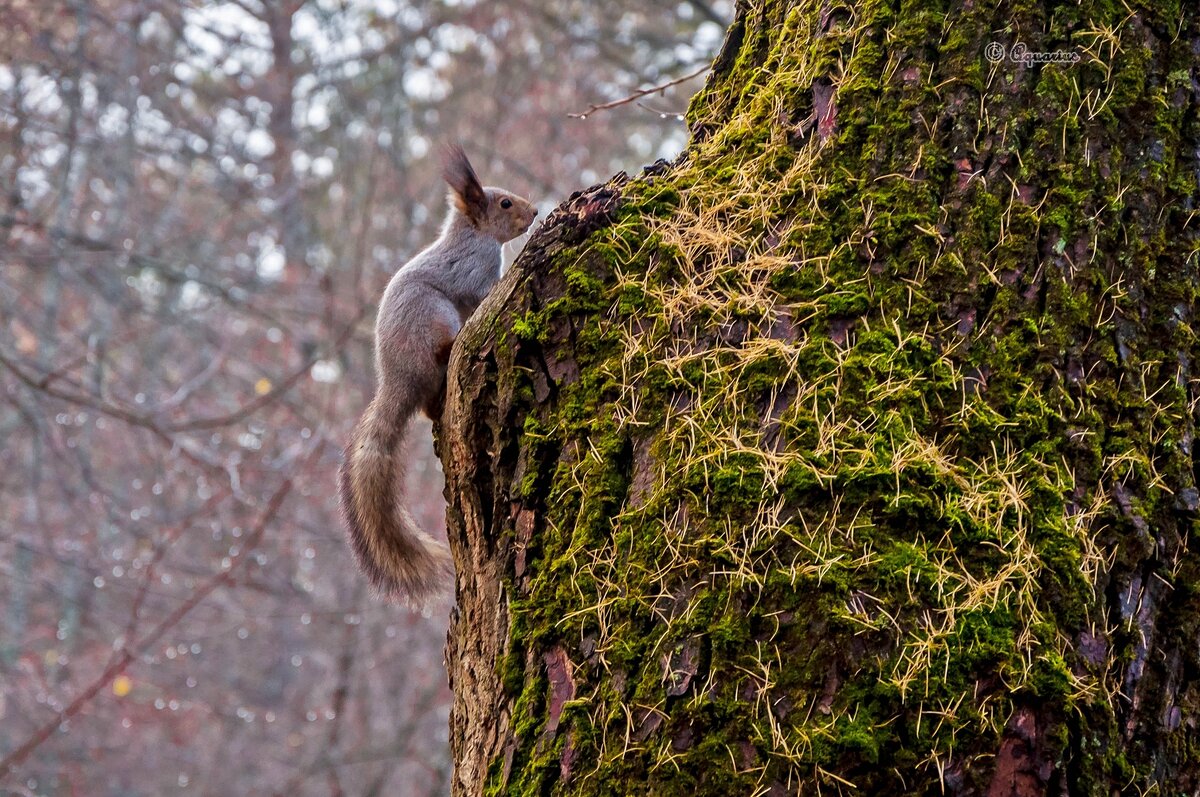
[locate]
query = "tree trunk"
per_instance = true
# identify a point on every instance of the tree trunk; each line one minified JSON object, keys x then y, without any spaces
{"x":855,"y":451}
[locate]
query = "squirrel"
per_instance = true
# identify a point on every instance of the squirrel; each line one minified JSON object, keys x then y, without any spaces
{"x":424,"y":306}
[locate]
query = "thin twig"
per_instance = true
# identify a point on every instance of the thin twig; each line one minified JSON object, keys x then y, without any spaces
{"x":149,"y":419}
{"x":661,"y":113}
{"x":637,"y":95}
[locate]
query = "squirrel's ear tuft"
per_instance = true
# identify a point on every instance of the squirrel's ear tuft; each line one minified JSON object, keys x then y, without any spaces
{"x":458,"y":174}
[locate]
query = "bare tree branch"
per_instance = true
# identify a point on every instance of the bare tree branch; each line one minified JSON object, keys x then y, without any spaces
{"x":128,"y":653}
{"x":639,"y":94}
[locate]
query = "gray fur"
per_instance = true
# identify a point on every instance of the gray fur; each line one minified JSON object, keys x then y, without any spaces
{"x":424,"y":306}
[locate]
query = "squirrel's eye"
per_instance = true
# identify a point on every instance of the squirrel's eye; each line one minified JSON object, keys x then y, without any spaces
{"x":506,"y":203}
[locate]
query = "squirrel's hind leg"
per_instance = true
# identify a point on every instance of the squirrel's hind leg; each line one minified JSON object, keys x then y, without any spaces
{"x":436,"y":402}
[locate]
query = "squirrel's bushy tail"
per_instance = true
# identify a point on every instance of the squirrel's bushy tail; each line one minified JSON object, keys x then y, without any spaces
{"x":398,"y":557}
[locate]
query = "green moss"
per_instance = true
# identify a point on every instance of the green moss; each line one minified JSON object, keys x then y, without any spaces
{"x":531,"y":327}
{"x":881,"y":387}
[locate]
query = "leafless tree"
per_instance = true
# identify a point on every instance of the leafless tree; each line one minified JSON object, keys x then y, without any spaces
{"x":199,"y":204}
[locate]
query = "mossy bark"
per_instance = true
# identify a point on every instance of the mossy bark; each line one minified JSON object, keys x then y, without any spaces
{"x":854,"y":451}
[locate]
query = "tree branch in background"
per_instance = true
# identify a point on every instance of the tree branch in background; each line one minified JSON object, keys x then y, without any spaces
{"x":637,"y":95}
{"x":128,"y":653}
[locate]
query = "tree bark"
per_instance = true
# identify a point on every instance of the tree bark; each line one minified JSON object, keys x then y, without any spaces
{"x":854,"y":452}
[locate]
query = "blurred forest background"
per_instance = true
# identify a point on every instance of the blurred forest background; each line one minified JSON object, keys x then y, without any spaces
{"x":199,"y":205}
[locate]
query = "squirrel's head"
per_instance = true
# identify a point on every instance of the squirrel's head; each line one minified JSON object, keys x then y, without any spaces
{"x":493,"y":211}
